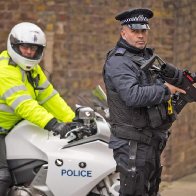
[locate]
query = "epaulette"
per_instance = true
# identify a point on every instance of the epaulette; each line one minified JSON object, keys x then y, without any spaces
{"x":120,"y":51}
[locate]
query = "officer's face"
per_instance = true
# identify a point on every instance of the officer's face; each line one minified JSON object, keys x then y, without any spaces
{"x":28,"y":50}
{"x":135,"y":37}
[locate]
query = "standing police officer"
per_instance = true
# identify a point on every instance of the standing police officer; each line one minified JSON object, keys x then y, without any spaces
{"x":138,"y":103}
{"x":25,"y":92}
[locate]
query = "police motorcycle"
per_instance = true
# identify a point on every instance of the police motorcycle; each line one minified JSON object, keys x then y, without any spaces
{"x":80,"y":164}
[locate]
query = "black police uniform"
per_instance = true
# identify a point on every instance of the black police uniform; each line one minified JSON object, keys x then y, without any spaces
{"x":139,"y":120}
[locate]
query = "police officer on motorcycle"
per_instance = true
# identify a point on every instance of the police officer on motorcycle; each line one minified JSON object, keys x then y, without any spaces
{"x":138,"y":101}
{"x":25,"y":92}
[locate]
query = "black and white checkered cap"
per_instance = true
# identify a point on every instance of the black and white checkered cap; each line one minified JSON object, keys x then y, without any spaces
{"x":136,"y":18}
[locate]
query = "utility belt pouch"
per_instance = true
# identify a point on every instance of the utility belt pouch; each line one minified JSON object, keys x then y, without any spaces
{"x":138,"y":116}
{"x":154,"y":116}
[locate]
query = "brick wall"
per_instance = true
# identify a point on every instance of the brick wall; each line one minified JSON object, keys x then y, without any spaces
{"x":181,"y":156}
{"x":80,"y":32}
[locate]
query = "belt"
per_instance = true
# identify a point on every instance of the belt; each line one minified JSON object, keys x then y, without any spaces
{"x":132,"y":133}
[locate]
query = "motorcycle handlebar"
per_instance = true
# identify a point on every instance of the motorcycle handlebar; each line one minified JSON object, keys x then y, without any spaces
{"x":77,"y":129}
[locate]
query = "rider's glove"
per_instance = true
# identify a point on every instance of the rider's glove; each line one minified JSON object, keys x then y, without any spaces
{"x":58,"y":128}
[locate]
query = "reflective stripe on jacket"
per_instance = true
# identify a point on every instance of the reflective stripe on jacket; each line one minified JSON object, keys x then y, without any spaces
{"x":20,"y":100}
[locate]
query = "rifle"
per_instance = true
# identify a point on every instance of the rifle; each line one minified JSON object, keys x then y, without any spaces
{"x":183,"y":79}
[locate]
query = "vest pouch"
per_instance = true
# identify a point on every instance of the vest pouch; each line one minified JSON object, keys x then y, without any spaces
{"x":163,"y":111}
{"x":139,"y":117}
{"x":155,"y":119}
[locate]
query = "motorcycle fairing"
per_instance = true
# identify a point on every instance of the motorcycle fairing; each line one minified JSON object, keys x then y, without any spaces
{"x":28,"y":141}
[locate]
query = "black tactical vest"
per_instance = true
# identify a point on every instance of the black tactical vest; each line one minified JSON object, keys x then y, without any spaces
{"x":134,"y":123}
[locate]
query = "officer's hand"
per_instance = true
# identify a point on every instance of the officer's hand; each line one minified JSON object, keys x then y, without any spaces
{"x":58,"y":128}
{"x":61,"y":129}
{"x":174,"y":89}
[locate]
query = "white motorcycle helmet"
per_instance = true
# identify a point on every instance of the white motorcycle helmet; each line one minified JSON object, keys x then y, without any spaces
{"x":26,"y":33}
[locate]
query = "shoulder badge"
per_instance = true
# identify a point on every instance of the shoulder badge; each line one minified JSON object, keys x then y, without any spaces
{"x":120,"y":51}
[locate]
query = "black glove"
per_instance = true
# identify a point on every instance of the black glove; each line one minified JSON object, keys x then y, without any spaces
{"x":58,"y":128}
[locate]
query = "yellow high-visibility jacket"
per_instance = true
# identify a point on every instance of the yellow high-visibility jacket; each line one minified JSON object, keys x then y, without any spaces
{"x":20,"y":100}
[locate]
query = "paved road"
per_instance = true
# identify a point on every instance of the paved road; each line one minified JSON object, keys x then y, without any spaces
{"x":183,"y":187}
